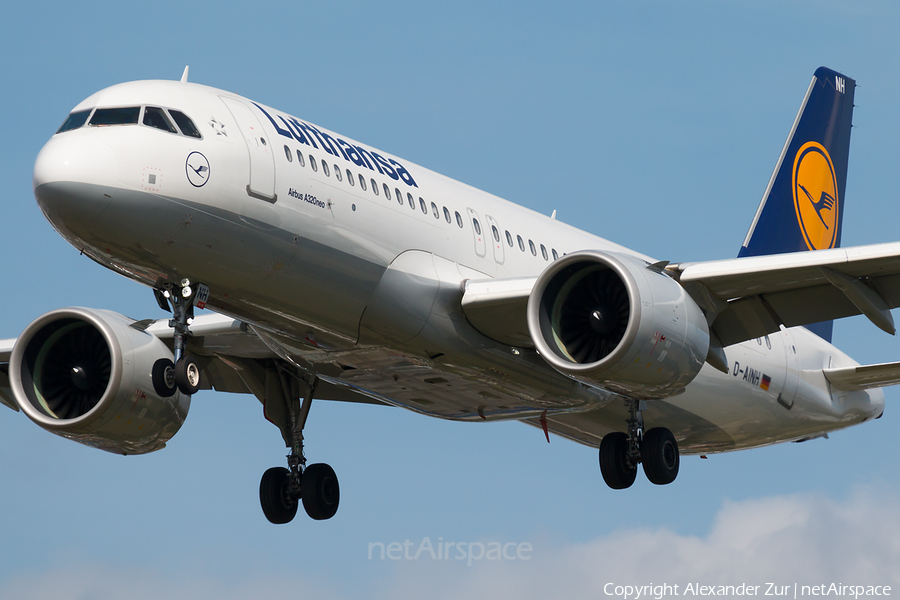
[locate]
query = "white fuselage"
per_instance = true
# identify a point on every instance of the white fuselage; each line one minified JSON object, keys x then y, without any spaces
{"x":366,"y":276}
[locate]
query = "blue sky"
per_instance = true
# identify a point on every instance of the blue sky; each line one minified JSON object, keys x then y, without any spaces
{"x":654,"y":124}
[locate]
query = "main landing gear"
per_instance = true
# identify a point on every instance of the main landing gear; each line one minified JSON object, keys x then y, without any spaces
{"x":281,"y":490}
{"x":656,"y":449}
{"x":184,"y":373}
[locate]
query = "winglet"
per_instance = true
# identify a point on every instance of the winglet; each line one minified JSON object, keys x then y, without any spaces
{"x":184,"y":75}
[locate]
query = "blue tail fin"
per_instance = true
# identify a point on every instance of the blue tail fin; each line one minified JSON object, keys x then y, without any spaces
{"x":803,"y":206}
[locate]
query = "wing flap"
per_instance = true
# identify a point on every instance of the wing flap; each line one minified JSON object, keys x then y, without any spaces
{"x":863,"y":377}
{"x":756,"y":295}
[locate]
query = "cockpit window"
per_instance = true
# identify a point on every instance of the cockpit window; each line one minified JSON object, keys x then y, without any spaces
{"x":116,"y":116}
{"x":74,"y":120}
{"x":156,"y":117}
{"x":185,"y":124}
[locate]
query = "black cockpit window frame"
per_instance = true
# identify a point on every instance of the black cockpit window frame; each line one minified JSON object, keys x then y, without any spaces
{"x":185,"y":124}
{"x":122,"y":115}
{"x":156,"y":117}
{"x":75,"y":120}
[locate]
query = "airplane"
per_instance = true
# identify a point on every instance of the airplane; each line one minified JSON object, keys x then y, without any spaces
{"x":332,"y":270}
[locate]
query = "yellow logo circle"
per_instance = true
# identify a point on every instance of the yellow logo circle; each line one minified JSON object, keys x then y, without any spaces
{"x":816,"y":197}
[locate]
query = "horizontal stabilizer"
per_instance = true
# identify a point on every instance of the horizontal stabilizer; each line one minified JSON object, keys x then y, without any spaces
{"x":863,"y":377}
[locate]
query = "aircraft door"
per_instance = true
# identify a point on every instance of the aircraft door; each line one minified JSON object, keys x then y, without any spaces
{"x":259,"y":148}
{"x":496,"y":239}
{"x":478,"y":232}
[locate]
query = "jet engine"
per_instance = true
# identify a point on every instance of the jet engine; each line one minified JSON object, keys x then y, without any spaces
{"x":617,"y":322}
{"x":87,"y":375}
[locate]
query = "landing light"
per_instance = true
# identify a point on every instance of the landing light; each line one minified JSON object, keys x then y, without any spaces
{"x":186,"y":291}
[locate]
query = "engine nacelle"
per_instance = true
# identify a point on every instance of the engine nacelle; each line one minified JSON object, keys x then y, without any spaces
{"x":85,"y":375}
{"x":609,"y":320}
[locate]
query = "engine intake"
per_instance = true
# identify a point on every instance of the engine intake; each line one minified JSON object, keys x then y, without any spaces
{"x":609,"y":320}
{"x":87,"y":375}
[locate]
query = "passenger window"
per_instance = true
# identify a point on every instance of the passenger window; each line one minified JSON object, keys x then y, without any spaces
{"x":533,"y":249}
{"x":555,"y":255}
{"x":362,"y":182}
{"x":434,"y":210}
{"x":521,"y":243}
{"x":409,"y":199}
{"x":422,"y":206}
{"x":477,"y":226}
{"x":544,"y":252}
{"x":337,"y":172}
{"x":155,"y":117}
{"x":374,"y":186}
{"x":325,"y":169}
{"x":300,"y":159}
{"x":387,"y":191}
{"x":185,"y":124}
{"x":313,"y":163}
{"x":74,"y":120}
{"x":496,"y":233}
{"x":509,"y":239}
{"x":116,"y":116}
{"x":459,"y":220}
{"x":447,"y":214}
{"x":350,"y":178}
{"x":287,"y":151}
{"x":399,"y":196}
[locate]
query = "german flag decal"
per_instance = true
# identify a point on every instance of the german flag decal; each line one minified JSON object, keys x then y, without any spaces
{"x":764,"y":384}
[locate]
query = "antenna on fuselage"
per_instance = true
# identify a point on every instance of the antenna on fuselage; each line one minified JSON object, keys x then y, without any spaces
{"x":184,"y":75}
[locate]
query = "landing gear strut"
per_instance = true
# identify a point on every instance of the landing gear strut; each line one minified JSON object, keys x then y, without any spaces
{"x":656,"y":449}
{"x":280,"y":489}
{"x":184,"y":373}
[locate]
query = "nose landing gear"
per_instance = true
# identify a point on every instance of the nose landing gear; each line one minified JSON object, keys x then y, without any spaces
{"x":184,"y":373}
{"x":620,"y":453}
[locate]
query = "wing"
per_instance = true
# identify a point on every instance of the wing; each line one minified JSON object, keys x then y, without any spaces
{"x":746,"y":298}
{"x":743,"y":298}
{"x":234,"y":358}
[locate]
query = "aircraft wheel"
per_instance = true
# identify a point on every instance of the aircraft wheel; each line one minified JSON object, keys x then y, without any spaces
{"x":617,"y":472}
{"x":659,"y":455}
{"x":320,"y":491}
{"x":187,"y":375}
{"x":163,"y":378}
{"x":277,"y":504}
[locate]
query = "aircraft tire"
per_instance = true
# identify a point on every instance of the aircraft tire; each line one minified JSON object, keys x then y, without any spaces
{"x":187,"y":375}
{"x":278,"y":506}
{"x":659,"y":455}
{"x":614,"y":467}
{"x":320,"y":491}
{"x":161,"y":375}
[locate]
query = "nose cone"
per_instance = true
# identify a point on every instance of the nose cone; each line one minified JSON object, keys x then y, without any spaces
{"x":74,"y":179}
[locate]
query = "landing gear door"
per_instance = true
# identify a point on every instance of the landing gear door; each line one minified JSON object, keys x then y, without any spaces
{"x":259,"y":148}
{"x":495,"y":238}
{"x":478,"y":231}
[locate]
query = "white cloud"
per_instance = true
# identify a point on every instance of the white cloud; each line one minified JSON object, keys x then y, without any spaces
{"x":804,"y":539}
